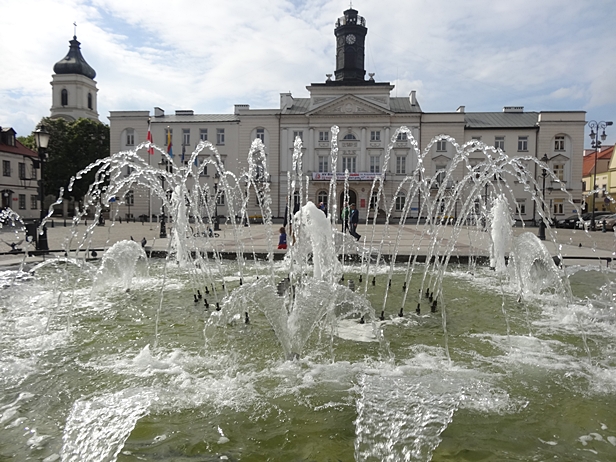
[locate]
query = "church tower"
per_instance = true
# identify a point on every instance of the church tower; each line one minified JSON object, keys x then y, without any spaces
{"x":350,"y":32}
{"x":73,"y":87}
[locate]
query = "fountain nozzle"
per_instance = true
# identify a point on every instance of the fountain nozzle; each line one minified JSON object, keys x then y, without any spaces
{"x":382,"y":317}
{"x":374,"y":280}
{"x":404,"y":286}
{"x":433,"y":309}
{"x":246,"y":318}
{"x":418,"y":309}
{"x":207,"y":291}
{"x":362,"y":320}
{"x":199,"y":294}
{"x":401,"y":313}
{"x":207,"y":305}
{"x":428,"y":292}
{"x":195,"y":297}
{"x":217,"y":307}
{"x":241,"y":281}
{"x":360,"y":278}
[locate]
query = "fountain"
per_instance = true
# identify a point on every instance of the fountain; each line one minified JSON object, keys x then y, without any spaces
{"x":387,"y":353}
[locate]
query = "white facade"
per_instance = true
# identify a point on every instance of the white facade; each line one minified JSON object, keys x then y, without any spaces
{"x":368,"y":117}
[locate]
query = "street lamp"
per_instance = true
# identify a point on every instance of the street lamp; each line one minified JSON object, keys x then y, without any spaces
{"x":163,"y":224}
{"x":216,"y":180}
{"x":41,"y":137}
{"x":596,"y":144}
{"x":544,"y":173}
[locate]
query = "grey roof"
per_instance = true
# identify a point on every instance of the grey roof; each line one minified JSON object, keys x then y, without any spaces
{"x":403,"y":105}
{"x":501,"y":119}
{"x":73,"y":62}
{"x":196,"y":118}
{"x":300,"y":106}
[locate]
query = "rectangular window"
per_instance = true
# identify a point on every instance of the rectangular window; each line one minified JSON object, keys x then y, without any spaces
{"x":349,"y":163}
{"x":559,"y":143}
{"x":476,"y":138}
{"x":220,"y":199}
{"x":32,"y":172}
{"x":402,"y":136}
{"x":522,"y":143}
{"x":22,"y":202}
{"x":323,"y":136}
{"x":440,"y":173}
{"x":520,"y":208}
{"x":373,"y":201}
{"x":499,"y":142}
{"x":203,"y":134}
{"x":130,"y":197}
{"x":261,"y":134}
{"x":441,"y":145}
{"x":186,"y":136}
{"x":375,"y":135}
{"x":6,"y":168}
{"x":400,"y":200}
{"x":33,"y":202}
{"x":220,"y":136}
{"x":559,"y":171}
{"x":401,"y":164}
{"x":558,"y":206}
{"x":22,"y":171}
{"x":375,"y":164}
{"x":130,"y":137}
{"x":299,"y":134}
{"x":323,"y":164}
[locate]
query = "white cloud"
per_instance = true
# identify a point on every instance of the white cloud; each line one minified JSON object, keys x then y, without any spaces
{"x":209,"y":55}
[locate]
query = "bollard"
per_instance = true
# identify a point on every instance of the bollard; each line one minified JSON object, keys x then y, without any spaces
{"x":53,"y":224}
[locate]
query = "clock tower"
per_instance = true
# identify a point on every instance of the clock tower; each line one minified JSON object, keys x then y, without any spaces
{"x":350,"y":32}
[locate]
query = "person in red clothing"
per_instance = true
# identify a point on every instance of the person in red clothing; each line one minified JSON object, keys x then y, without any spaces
{"x":282,"y":240}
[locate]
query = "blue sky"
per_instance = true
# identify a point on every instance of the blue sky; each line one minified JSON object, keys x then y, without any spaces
{"x":209,"y":55}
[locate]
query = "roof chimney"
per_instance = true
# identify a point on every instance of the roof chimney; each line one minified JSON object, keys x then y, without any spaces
{"x":158,"y":112}
{"x":461,"y":109}
{"x":413,"y":98}
{"x":514,"y":109}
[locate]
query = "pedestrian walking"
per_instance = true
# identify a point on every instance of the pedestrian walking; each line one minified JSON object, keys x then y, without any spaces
{"x":354,"y":221}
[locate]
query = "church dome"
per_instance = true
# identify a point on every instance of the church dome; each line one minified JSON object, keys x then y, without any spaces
{"x":73,"y":62}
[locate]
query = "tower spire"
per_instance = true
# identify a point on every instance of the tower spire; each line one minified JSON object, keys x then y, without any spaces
{"x":75,"y":30}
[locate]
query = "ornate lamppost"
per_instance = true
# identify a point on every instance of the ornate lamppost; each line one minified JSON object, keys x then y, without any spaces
{"x":596,"y":145}
{"x":216,"y":180}
{"x":163,"y":224}
{"x":544,"y":173}
{"x":42,"y":141}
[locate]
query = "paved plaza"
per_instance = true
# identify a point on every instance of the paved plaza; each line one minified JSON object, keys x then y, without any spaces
{"x":576,"y":246}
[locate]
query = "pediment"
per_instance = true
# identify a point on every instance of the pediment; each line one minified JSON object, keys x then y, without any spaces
{"x":349,"y":105}
{"x":559,"y":158}
{"x":440,"y":158}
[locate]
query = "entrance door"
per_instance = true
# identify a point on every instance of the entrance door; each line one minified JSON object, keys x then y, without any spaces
{"x":352,"y":199}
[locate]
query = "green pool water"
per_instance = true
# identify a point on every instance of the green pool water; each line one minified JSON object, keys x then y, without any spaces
{"x":116,"y":375}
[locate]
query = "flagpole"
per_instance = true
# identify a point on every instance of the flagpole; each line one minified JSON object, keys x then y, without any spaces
{"x":150,"y":154}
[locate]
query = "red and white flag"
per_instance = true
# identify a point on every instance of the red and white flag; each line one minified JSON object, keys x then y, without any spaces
{"x":149,"y":138}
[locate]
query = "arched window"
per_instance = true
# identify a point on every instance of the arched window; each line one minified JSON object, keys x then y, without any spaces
{"x":64,"y":97}
{"x":322,"y":197}
{"x":90,"y":101}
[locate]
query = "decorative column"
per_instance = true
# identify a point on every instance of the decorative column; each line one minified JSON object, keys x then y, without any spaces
{"x":362,"y":162}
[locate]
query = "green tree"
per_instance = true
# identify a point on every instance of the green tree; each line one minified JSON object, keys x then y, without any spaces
{"x":72,"y":147}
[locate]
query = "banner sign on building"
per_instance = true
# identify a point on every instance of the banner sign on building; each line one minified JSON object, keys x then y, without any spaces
{"x":361,"y":176}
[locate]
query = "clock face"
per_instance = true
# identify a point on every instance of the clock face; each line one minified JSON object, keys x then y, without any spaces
{"x":350,"y":39}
